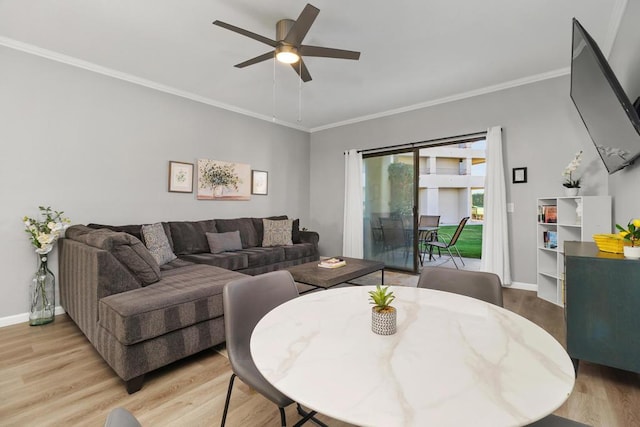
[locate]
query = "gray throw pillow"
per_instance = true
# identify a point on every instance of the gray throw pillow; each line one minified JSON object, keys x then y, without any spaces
{"x":158,"y":243}
{"x":277,"y":233}
{"x":222,"y":242}
{"x":248,"y":233}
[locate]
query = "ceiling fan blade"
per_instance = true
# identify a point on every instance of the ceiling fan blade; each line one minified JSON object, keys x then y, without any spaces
{"x":246,"y":33}
{"x":263,"y":57}
{"x":303,"y":23}
{"x":327,"y":52}
{"x":301,"y":70}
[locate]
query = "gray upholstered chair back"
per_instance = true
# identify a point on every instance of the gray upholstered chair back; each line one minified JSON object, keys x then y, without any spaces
{"x":477,"y":284}
{"x":120,"y":417}
{"x":245,"y":302}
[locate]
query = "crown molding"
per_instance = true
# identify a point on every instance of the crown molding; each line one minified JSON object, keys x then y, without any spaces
{"x":90,"y":66}
{"x":445,"y":100}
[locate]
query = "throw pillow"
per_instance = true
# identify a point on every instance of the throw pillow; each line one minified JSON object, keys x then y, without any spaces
{"x":248,"y":233}
{"x":222,"y":242}
{"x":277,"y":233}
{"x":189,"y":236}
{"x":295,"y":231}
{"x":157,"y":242}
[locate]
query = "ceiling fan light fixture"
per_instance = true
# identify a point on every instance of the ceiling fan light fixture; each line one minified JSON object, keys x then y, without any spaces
{"x":287,"y":54}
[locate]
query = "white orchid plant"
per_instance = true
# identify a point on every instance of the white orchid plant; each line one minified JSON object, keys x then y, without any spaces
{"x":45,"y":232}
{"x":570,"y":170}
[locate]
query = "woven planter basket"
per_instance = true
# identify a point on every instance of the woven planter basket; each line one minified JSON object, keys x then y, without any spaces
{"x":383,"y":322}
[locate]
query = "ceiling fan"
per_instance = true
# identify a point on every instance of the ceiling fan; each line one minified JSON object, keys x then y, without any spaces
{"x":288,"y":44}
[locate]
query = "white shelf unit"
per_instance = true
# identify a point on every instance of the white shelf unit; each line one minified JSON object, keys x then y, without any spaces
{"x":595,"y":219}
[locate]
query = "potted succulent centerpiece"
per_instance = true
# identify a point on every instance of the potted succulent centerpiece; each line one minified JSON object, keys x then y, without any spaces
{"x":631,"y":234}
{"x":383,"y":315}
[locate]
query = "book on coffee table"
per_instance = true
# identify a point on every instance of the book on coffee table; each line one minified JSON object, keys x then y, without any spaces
{"x":332,"y":263}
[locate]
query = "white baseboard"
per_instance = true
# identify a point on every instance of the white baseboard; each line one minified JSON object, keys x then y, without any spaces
{"x":22,"y":318}
{"x":523,"y":286}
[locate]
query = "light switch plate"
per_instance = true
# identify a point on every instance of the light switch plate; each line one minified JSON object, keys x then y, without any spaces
{"x":510,"y":207}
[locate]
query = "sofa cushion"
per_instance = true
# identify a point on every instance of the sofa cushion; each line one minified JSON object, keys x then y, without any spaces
{"x":130,"y":251}
{"x":248,"y":233}
{"x":182,"y":298}
{"x":222,"y":242}
{"x":135,"y":230}
{"x":156,"y":241}
{"x":258,"y":257}
{"x":298,"y":251}
{"x":176,"y":263}
{"x":228,"y":260}
{"x":189,"y":237}
{"x":277,"y":233}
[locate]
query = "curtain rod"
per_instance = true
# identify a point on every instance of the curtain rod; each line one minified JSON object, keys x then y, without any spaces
{"x":429,"y":141}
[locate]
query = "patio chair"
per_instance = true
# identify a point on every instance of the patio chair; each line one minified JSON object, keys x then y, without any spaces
{"x":394,"y":236}
{"x":451,"y":244}
{"x":428,"y":222}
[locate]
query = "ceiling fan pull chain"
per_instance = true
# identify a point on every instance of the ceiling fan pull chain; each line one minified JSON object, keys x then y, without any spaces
{"x":273,"y":105}
{"x":299,"y":92}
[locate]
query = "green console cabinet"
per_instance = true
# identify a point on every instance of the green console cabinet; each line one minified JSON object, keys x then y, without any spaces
{"x":602,"y":307}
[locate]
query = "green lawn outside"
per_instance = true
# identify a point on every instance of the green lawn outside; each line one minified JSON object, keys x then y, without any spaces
{"x":470,"y":241}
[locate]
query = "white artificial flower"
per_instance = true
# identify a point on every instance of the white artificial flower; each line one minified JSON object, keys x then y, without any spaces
{"x":45,"y":239}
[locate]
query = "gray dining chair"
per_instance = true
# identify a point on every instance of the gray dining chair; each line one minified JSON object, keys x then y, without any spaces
{"x":245,"y":302}
{"x":476,"y":284}
{"x":556,"y":421}
{"x":120,"y":417}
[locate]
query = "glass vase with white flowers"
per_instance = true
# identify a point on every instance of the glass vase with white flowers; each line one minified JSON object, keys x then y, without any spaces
{"x":43,"y":234}
{"x":571,"y":183}
{"x":569,"y":171}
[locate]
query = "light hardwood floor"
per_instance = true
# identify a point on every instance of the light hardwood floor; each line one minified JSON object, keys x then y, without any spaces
{"x":51,"y":376}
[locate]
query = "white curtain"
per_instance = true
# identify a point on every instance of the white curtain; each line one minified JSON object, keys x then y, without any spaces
{"x":495,"y":234}
{"x":352,"y":241}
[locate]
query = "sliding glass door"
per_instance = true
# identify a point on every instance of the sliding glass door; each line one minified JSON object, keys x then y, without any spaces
{"x":389,"y":209}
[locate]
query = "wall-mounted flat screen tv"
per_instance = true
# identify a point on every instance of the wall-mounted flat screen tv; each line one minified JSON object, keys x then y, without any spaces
{"x":610,"y":118}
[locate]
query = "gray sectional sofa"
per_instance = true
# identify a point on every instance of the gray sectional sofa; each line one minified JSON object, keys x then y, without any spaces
{"x":140,"y":315}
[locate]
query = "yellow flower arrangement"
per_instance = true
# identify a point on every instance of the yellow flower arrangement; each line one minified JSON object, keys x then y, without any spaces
{"x":631,"y":233}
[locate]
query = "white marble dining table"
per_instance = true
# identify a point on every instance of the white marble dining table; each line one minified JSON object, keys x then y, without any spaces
{"x":454,"y":361}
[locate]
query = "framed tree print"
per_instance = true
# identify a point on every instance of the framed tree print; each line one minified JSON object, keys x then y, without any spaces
{"x":180,"y":177}
{"x":259,"y":182}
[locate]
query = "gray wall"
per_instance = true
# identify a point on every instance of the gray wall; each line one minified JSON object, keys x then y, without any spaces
{"x":98,"y":148}
{"x":625,"y":62}
{"x":541,"y":131}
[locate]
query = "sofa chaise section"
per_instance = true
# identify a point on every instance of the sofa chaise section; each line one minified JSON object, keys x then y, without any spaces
{"x":136,"y":328}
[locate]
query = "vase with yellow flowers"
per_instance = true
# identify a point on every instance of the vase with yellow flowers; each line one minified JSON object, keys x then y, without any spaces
{"x":43,"y":234}
{"x":631,"y":234}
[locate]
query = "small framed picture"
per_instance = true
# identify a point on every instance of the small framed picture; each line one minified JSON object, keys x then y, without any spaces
{"x":519,"y":175}
{"x":259,"y":182}
{"x":180,"y":177}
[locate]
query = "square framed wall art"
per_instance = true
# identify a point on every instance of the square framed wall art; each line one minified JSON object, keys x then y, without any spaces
{"x":180,"y":177}
{"x":519,"y":175}
{"x":259,"y":182}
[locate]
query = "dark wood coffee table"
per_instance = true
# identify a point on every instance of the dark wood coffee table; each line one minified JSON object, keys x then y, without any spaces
{"x":326,"y":278}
